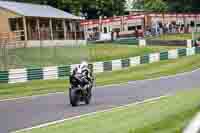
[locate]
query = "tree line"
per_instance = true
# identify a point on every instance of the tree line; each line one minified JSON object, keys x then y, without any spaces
{"x":95,"y":8}
{"x":172,"y":5}
{"x":86,"y":8}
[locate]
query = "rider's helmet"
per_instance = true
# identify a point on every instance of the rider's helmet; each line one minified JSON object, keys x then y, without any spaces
{"x":84,"y":64}
{"x":82,"y":67}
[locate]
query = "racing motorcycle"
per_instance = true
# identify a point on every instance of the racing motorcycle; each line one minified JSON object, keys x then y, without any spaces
{"x":80,"y":90}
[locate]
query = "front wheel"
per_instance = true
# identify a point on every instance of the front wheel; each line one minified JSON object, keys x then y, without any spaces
{"x":73,"y":97}
{"x":88,"y":97}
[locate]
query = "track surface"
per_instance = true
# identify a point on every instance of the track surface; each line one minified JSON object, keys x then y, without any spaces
{"x":24,"y":113}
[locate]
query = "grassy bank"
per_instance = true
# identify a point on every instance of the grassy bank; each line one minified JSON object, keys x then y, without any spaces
{"x":30,"y":57}
{"x":140,"y":72}
{"x":168,"y":115}
{"x":173,"y":37}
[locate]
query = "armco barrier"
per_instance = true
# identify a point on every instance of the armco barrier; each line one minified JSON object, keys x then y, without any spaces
{"x":125,"y":63}
{"x":63,"y":71}
{"x":144,"y":59}
{"x":35,"y":73}
{"x":197,"y":50}
{"x":164,"y":56}
{"x":147,"y":42}
{"x":59,"y":72}
{"x":130,"y":41}
{"x":182,"y":52}
{"x":4,"y":77}
{"x":167,"y":42}
{"x":107,"y":66}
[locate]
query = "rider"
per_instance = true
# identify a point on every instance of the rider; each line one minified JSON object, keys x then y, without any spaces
{"x":83,"y":68}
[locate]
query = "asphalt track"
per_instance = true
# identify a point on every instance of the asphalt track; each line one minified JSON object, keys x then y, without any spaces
{"x":28,"y":112}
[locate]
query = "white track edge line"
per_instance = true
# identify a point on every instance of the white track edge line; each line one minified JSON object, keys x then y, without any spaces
{"x":93,"y":113}
{"x":194,"y":125}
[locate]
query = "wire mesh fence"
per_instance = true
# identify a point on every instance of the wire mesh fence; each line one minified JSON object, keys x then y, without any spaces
{"x":41,"y":56}
{"x":15,"y":53}
{"x":8,"y":44}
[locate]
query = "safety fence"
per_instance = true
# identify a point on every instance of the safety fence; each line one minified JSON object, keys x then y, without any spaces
{"x":59,"y":72}
{"x":129,"y":40}
{"x":183,"y":43}
{"x":147,"y":42}
{"x":167,"y":42}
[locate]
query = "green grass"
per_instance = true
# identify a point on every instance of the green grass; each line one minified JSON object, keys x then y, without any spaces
{"x":168,"y":115}
{"x":106,"y":52}
{"x":140,"y":72}
{"x":173,"y":37}
{"x":30,"y":57}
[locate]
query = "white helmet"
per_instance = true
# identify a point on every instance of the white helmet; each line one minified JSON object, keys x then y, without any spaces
{"x":84,"y":64}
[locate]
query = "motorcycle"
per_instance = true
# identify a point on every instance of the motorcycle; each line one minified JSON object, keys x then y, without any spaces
{"x":80,"y":90}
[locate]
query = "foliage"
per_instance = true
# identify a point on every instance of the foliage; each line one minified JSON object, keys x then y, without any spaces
{"x":155,"y":5}
{"x":183,"y":5}
{"x":87,"y":8}
{"x":95,"y":8}
{"x":171,"y":5}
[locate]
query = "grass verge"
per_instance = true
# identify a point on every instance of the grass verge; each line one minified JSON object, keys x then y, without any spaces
{"x":172,"y":37}
{"x":168,"y":115}
{"x":51,"y":56}
{"x":147,"y":71}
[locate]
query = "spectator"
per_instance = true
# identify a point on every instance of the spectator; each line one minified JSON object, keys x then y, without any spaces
{"x":136,"y":33}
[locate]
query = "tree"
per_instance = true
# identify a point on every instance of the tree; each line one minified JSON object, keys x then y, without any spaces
{"x":96,"y":8}
{"x":89,"y":8}
{"x":155,"y":5}
{"x":139,"y":4}
{"x":180,"y":5}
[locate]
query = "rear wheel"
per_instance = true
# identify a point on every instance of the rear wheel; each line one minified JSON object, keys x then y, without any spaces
{"x":73,"y":97}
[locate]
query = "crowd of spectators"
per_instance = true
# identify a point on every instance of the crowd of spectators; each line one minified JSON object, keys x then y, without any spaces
{"x":159,"y":29}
